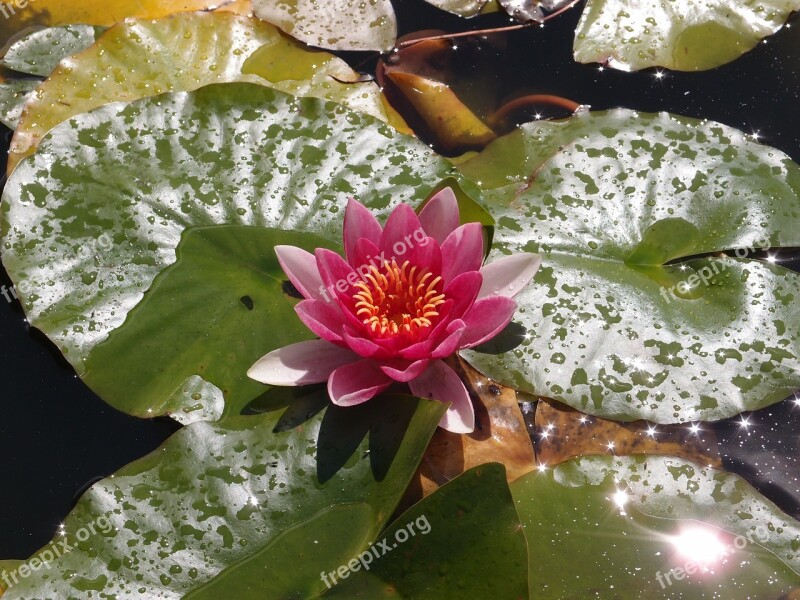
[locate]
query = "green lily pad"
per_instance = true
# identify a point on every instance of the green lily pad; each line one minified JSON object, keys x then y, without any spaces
{"x":216,"y":496}
{"x":642,"y":528}
{"x":336,"y":24}
{"x":681,"y":35}
{"x":206,"y":318}
{"x":13,"y":96}
{"x":39,"y":53}
{"x":633,"y":314}
{"x":139,"y":58}
{"x":87,"y":226}
{"x":465,"y":539}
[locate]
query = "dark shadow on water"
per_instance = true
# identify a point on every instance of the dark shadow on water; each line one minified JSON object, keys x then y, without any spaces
{"x":384,"y":419}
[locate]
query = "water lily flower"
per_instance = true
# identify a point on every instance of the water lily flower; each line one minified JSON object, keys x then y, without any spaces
{"x":408,"y":295}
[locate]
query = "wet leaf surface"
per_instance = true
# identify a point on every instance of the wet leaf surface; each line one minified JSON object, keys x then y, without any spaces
{"x":635,"y":314}
{"x":682,"y":35}
{"x":334,"y":24}
{"x":231,"y":154}
{"x":137,"y":59}
{"x":635,"y":525}
{"x":230,"y":489}
{"x":13,"y":95}
{"x":39,"y":53}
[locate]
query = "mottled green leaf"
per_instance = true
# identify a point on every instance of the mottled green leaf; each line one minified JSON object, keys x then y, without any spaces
{"x":685,"y":35}
{"x":464,"y":539}
{"x":138,"y":58}
{"x":334,"y":24}
{"x":217,"y":495}
{"x":98,"y":212}
{"x":13,"y":96}
{"x":619,"y":527}
{"x":611,"y":327}
{"x":38,"y":53}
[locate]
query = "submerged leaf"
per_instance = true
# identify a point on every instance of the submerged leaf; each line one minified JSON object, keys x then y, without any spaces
{"x":634,"y":314}
{"x":678,"y":34}
{"x":464,"y":8}
{"x":455,"y":126}
{"x":500,"y":436}
{"x":564,"y":433}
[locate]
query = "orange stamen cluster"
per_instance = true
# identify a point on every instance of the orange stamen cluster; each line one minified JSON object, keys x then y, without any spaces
{"x":401,"y":299}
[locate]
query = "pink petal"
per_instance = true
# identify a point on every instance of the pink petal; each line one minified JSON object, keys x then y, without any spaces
{"x":365,"y":255}
{"x":338,"y":278}
{"x":323,"y":318}
{"x":509,"y":275}
{"x":451,"y":343}
{"x":425,"y":254}
{"x":356,"y":383}
{"x":404,"y":370}
{"x":359,"y":223}
{"x":462,"y":251}
{"x":402,"y":224}
{"x":440,"y":382}
{"x":463,"y":290}
{"x":487,"y":318}
{"x":301,"y":269}
{"x":363,"y":346}
{"x":440,"y":216}
{"x":301,"y":363}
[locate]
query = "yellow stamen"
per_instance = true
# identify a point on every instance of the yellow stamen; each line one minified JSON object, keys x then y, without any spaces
{"x":403,"y":300}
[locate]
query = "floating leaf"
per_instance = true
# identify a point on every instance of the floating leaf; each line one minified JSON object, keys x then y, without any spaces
{"x":474,"y":543}
{"x":13,"y":96}
{"x":39,"y":53}
{"x":137,"y":59}
{"x":334,"y":24}
{"x":230,"y":154}
{"x":565,"y":433}
{"x":677,"y":34}
{"x":216,"y":495}
{"x":624,"y":320}
{"x":45,"y":13}
{"x":622,"y":519}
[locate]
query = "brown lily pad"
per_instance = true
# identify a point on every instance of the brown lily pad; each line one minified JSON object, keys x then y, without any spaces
{"x":563,"y":433}
{"x":500,"y":436}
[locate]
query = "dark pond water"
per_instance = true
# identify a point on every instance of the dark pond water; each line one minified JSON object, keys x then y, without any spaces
{"x":56,"y":436}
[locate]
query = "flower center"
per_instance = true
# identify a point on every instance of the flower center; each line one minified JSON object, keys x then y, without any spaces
{"x":398,"y":300}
